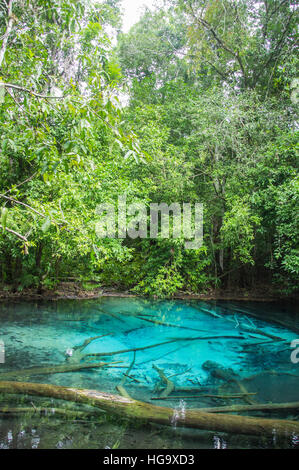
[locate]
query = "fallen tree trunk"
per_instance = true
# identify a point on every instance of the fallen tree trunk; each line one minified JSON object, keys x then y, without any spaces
{"x":188,"y":389}
{"x":59,"y":369}
{"x":80,"y":347}
{"x":169,"y":325}
{"x":44,"y":412}
{"x":269,"y":318}
{"x":251,"y":329}
{"x":228,"y":375}
{"x":205,"y":310}
{"x":203,"y":395}
{"x":173,"y":340}
{"x":256,"y":407}
{"x":145,"y":412}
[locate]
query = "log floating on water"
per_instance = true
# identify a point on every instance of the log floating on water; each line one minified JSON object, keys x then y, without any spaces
{"x":203,"y":395}
{"x":148,"y":413}
{"x":255,"y":407}
{"x":45,"y":412}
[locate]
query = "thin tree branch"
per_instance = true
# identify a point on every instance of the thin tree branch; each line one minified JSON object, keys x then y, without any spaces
{"x":276,"y":49}
{"x":20,"y":184}
{"x":33,"y":93}
{"x":223,"y":75}
{"x":221,"y":43}
{"x":21,"y":237}
{"x":278,"y":7}
{"x":15,"y":201}
{"x":23,"y":204}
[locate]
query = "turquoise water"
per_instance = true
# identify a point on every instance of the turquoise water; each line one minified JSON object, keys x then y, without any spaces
{"x":238,"y":337}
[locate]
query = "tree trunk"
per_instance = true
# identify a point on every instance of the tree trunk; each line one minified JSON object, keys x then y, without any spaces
{"x":60,"y":369}
{"x":255,"y":407}
{"x":145,"y":412}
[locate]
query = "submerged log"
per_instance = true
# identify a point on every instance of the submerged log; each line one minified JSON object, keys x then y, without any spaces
{"x":276,"y":373}
{"x":205,"y":310}
{"x":124,"y":351}
{"x":256,"y":331}
{"x":59,"y":369}
{"x":269,"y":318}
{"x":169,"y":325}
{"x":75,"y":355}
{"x":120,"y":387}
{"x":169,"y":385}
{"x":173,"y":340}
{"x":149,"y":413}
{"x":47,"y":412}
{"x":229,"y":376}
{"x":80,"y":347}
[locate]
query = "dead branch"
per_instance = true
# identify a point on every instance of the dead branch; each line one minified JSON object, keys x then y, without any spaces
{"x":30,"y":92}
{"x":169,"y":384}
{"x":21,"y":237}
{"x":120,"y":387}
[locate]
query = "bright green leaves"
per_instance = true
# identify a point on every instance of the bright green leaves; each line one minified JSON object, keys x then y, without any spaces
{"x":238,"y":230}
{"x":287,"y":226}
{"x":166,"y":283}
{"x":151,"y":54}
{"x":242,"y":43}
{"x":62,"y":140}
{"x":212,"y":108}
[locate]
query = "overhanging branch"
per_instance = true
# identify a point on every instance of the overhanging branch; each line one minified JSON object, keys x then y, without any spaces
{"x":21,"y":237}
{"x":221,"y":43}
{"x":30,"y":92}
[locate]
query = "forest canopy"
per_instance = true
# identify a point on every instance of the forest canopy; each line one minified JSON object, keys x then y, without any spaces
{"x":196,"y":103}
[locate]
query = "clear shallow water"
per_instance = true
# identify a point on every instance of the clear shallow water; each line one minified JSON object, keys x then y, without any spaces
{"x":236,"y":336}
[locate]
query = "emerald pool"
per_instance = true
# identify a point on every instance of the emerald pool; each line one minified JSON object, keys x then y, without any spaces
{"x":184,"y":341}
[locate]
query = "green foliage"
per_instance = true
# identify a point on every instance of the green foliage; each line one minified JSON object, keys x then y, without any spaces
{"x":237,"y":231}
{"x":211,"y":118}
{"x":243,"y":42}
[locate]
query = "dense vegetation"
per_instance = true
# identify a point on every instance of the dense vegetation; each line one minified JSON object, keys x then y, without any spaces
{"x":211,"y":92}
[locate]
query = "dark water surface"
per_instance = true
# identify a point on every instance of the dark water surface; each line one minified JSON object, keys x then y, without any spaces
{"x":250,"y":342}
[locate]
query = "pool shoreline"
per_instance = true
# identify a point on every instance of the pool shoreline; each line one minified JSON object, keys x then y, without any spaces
{"x":74,"y":291}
